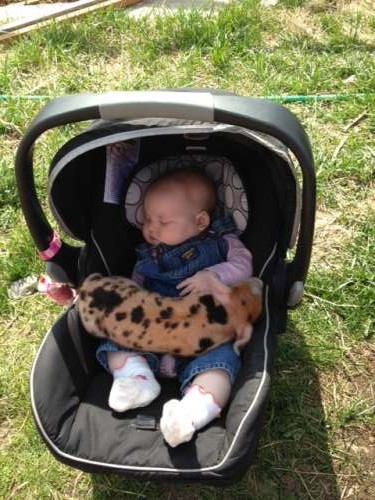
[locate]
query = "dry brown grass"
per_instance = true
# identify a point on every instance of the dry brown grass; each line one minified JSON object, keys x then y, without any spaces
{"x":329,"y":229}
{"x":348,"y":398}
{"x":303,"y":22}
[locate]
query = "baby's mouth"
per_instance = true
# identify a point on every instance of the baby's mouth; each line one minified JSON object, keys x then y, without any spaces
{"x":152,"y":240}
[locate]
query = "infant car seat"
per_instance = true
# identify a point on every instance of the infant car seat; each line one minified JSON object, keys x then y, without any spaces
{"x":250,"y":147}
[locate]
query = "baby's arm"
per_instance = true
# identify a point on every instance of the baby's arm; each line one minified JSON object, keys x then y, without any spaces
{"x":237,"y":267}
{"x":239,"y":263}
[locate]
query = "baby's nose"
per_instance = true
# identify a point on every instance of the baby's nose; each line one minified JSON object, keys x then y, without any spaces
{"x":153,"y":229}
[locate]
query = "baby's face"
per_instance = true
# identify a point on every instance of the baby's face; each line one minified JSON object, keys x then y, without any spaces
{"x":169,"y":218}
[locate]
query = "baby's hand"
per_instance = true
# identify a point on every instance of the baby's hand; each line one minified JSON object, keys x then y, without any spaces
{"x":201,"y":282}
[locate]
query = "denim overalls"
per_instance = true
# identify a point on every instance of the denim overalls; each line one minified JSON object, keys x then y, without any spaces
{"x":163,"y":267}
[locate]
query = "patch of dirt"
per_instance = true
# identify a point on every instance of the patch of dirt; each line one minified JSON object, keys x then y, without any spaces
{"x":330,"y":239}
{"x":302,"y":22}
{"x":357,"y":477}
{"x":364,"y":6}
{"x":331,"y":236}
{"x":360,"y":6}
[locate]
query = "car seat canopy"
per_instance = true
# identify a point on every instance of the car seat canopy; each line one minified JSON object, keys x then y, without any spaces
{"x":253,"y":174}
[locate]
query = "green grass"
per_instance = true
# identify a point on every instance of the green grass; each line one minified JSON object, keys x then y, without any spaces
{"x":316,"y":441}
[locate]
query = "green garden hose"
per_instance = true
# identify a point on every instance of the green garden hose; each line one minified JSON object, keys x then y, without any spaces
{"x":279,"y":98}
{"x":313,"y":98}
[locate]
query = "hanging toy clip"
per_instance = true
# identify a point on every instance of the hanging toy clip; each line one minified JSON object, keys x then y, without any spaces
{"x":61,"y":293}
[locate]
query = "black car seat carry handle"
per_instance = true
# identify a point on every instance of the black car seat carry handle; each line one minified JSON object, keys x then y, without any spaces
{"x":251,"y":113}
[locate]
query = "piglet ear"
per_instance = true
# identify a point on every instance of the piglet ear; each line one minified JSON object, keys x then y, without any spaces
{"x":220,"y":291}
{"x":243,"y":335}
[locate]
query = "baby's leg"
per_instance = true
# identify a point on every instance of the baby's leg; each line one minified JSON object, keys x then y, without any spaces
{"x":208,"y":380}
{"x":134,"y":384}
{"x":216,"y":382}
{"x":201,"y":403}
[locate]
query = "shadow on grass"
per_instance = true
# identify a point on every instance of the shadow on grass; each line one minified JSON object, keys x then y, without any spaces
{"x":293,"y":459}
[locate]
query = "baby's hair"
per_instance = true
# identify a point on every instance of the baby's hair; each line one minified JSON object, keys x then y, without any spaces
{"x":198,"y":186}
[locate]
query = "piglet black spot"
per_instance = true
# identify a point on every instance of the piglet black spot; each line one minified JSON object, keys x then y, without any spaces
{"x":166,"y":313}
{"x":137,"y":314}
{"x":204,"y":344}
{"x":186,"y":324}
{"x":146,"y":323}
{"x":215,"y":313}
{"x":120,"y":316}
{"x":194,"y":308}
{"x":105,"y":300}
{"x":176,"y":351}
{"x":126,"y":333}
{"x":158,"y":301}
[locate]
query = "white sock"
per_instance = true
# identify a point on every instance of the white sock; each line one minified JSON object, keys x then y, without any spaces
{"x":134,"y":385}
{"x":180,"y":419}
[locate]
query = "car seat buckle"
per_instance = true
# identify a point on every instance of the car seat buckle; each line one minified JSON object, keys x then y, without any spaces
{"x":145,"y":422}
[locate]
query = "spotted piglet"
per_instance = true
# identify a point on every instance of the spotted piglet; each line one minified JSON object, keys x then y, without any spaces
{"x":118,"y":309}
